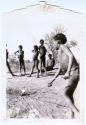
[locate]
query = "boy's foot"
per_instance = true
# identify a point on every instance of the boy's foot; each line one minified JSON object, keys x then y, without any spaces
{"x":20,"y":74}
{"x":77,"y":115}
{"x":41,"y":73}
{"x":13,"y":75}
{"x":37,"y":76}
{"x":10,"y":77}
{"x":30,"y":75}
{"x":45,"y":74}
{"x":72,"y":115}
{"x":49,"y":84}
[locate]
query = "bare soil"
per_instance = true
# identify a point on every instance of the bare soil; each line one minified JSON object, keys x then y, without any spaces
{"x":39,"y":100}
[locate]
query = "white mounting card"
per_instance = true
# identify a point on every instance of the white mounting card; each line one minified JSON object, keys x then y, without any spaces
{"x":26,"y":96}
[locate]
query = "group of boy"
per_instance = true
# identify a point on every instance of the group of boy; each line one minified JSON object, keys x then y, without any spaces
{"x":39,"y":57}
{"x":41,"y":52}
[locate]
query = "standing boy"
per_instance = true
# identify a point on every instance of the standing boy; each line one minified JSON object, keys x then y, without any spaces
{"x":7,"y":62}
{"x":42,"y":51}
{"x":72,"y":73}
{"x":35,"y":60}
{"x":21,"y":58}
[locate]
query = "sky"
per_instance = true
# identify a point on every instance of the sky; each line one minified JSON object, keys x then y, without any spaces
{"x":9,"y":5}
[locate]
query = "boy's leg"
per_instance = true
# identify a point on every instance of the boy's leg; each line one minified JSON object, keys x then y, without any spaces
{"x":41,"y":66}
{"x":37,"y":68}
{"x":9,"y":68}
{"x":24,"y":67}
{"x":20,"y":66}
{"x":32,"y":68}
{"x":71,"y":104}
{"x":44,"y":64}
{"x":69,"y":91}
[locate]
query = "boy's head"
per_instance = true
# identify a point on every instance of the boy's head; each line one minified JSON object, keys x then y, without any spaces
{"x":50,"y":56}
{"x":41,"y":41}
{"x":20,"y":47}
{"x":35,"y":47}
{"x":60,"y":38}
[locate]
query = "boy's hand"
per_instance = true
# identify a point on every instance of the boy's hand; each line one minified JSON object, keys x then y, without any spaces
{"x":66,"y":76}
{"x":50,"y":83}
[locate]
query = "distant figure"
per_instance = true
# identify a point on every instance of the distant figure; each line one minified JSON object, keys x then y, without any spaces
{"x":50,"y":62}
{"x":42,"y":51}
{"x":72,"y":73}
{"x":7,"y":62}
{"x":35,"y":60}
{"x":21,"y":59}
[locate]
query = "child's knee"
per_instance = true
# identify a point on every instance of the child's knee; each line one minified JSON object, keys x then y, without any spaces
{"x":33,"y":65}
{"x":37,"y":67}
{"x":67,"y":93}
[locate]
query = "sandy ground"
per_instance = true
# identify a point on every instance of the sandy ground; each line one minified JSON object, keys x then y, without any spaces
{"x":39,"y":100}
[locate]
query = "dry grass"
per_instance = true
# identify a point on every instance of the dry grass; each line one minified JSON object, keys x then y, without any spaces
{"x":39,"y":101}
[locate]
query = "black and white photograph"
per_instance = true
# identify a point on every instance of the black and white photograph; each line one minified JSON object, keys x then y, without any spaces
{"x":42,"y":68}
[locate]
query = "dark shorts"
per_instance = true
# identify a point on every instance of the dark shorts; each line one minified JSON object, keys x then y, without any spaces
{"x":21,"y":62}
{"x":42,"y":61}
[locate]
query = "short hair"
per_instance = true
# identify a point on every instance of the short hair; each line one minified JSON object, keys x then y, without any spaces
{"x":41,"y":41}
{"x":50,"y":55}
{"x":60,"y":36}
{"x":20,"y":46}
{"x":36,"y":47}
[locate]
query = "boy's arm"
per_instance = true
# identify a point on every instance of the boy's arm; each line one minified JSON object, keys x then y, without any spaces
{"x":23,"y":52}
{"x":53,"y":62}
{"x":45,"y":49}
{"x":70,"y":55}
{"x":39,"y":48}
{"x":47,"y":63}
{"x":16,"y":52}
{"x":54,"y":78}
{"x":32,"y":50}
